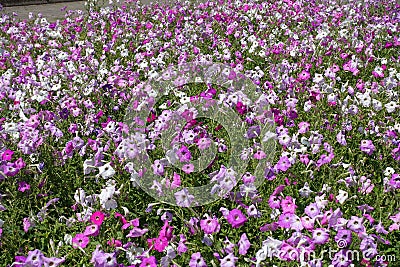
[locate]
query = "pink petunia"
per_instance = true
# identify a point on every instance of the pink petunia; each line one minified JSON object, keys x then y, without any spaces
{"x":97,"y":218}
{"x":259,"y":155}
{"x":304,"y":75}
{"x":210,"y":225}
{"x":122,"y":218}
{"x":80,"y":240}
{"x":137,"y":232}
{"x":188,"y":168}
{"x":92,"y":230}
{"x":203,"y":143}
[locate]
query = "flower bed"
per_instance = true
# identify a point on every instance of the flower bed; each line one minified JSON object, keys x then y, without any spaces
{"x":107,"y":119}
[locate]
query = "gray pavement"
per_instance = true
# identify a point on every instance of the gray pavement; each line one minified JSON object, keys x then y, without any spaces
{"x":50,"y":11}
{"x":53,"y":11}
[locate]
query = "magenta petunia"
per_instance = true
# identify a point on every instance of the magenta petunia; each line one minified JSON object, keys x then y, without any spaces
{"x":23,"y":186}
{"x":97,"y":218}
{"x":304,"y":75}
{"x":184,"y":154}
{"x":236,"y":218}
{"x":149,"y":262}
{"x":7,"y":155}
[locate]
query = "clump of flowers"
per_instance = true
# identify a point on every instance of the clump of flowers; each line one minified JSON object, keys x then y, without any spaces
{"x":72,"y":155}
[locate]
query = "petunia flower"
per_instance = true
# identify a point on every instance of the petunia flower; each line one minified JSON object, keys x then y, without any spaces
{"x":283,"y":164}
{"x":97,"y":218}
{"x":149,"y":262}
{"x":203,"y":143}
{"x":106,"y":171}
{"x":304,"y":75}
{"x":184,"y":154}
{"x":92,"y":230}
{"x":183,"y":198}
{"x":320,"y":236}
{"x":160,"y":243}
{"x":342,"y":196}
{"x":80,"y":240}
{"x":7,"y":155}
{"x":228,"y":260}
{"x":137,"y":232}
{"x":27,"y":224}
{"x":182,"y":248}
{"x":285,"y":220}
{"x":23,"y":186}
{"x":288,"y":205}
{"x":158,"y":168}
{"x":100,"y":258}
{"x":244,"y":244}
{"x":210,"y":225}
{"x":312,"y":210}
{"x":380,"y":229}
{"x":356,"y":224}
{"x":34,"y":258}
{"x":395,"y":181}
{"x":188,"y":168}
{"x":236,"y":218}
{"x":10,"y":169}
{"x":196,"y":260}
{"x":52,"y":261}
{"x":367,"y":146}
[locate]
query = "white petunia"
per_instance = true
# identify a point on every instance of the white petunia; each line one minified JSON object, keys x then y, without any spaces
{"x":305,"y":191}
{"x":184,"y":100}
{"x":397,"y":127}
{"x":307,"y":106}
{"x":110,"y":127}
{"x":342,"y":196}
{"x":275,"y":213}
{"x":88,"y":166}
{"x":106,"y":197}
{"x":133,"y":254}
{"x":106,"y":171}
{"x":318,"y":78}
{"x":268,"y":135}
{"x":80,"y":196}
{"x":377,"y":105}
{"x":389,"y":171}
{"x":391,"y":106}
{"x":321,"y":201}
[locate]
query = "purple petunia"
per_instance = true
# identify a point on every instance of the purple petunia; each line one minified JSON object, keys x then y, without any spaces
{"x":236,"y":218}
{"x":367,"y":146}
